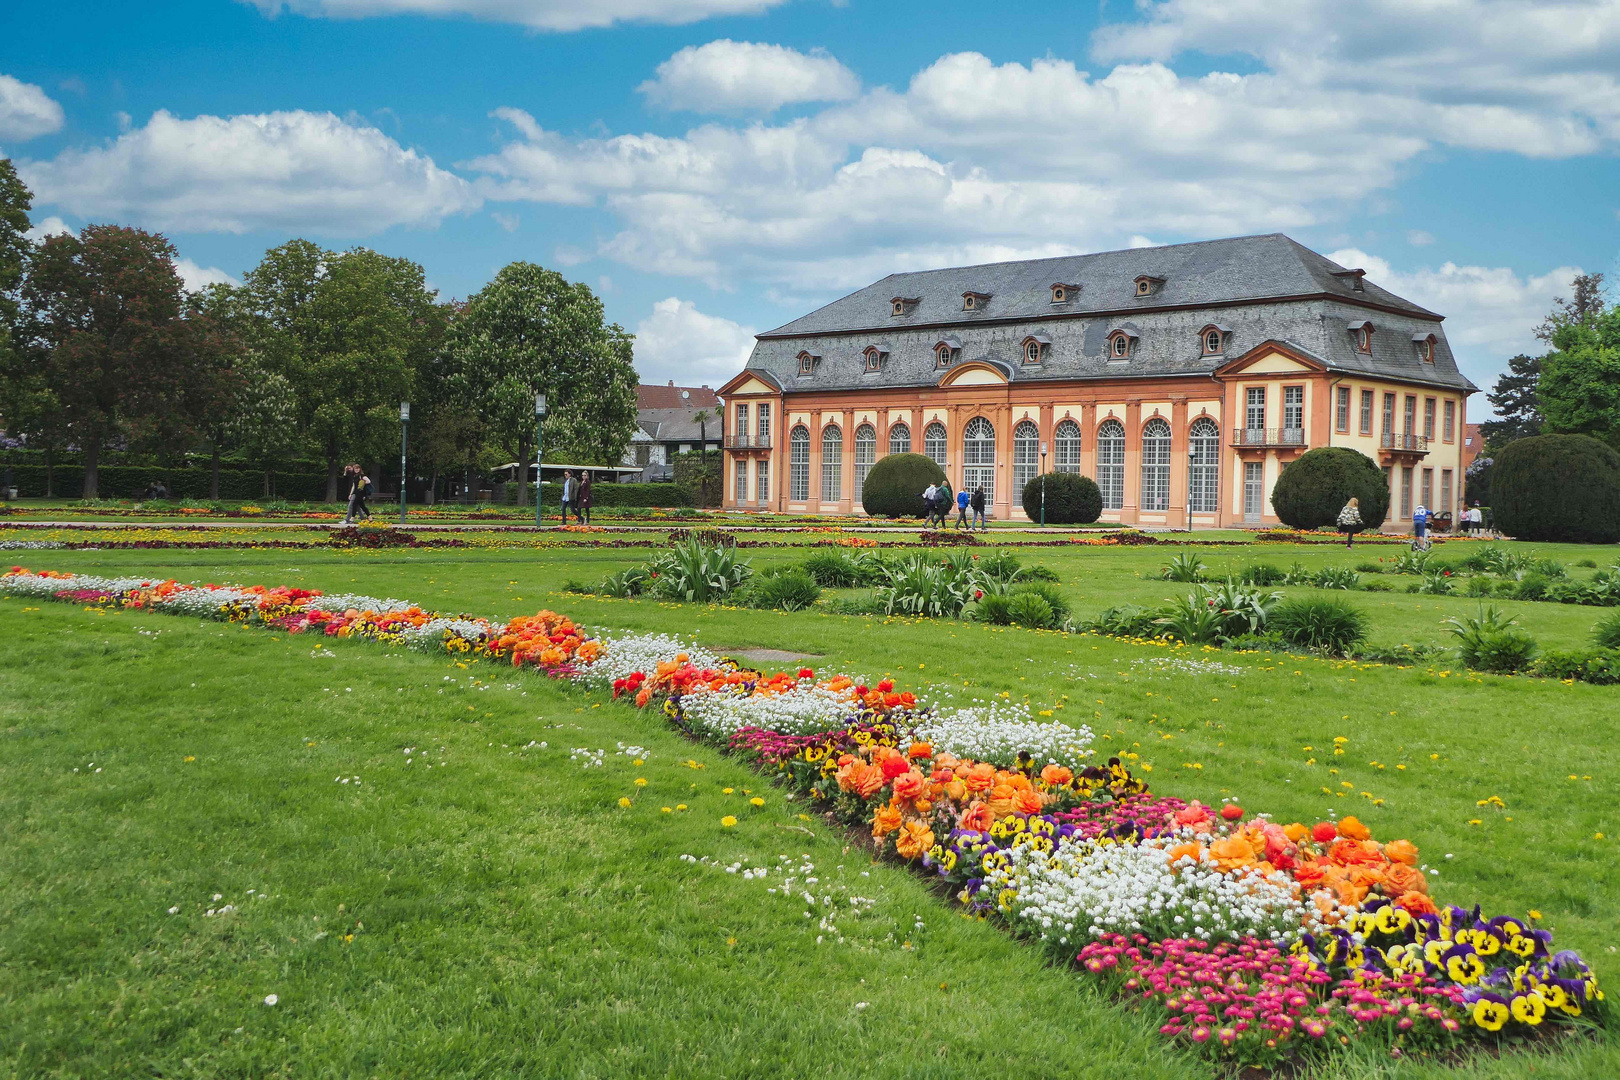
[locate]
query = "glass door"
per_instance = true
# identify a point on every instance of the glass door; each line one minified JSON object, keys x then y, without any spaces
{"x":1254,"y":491}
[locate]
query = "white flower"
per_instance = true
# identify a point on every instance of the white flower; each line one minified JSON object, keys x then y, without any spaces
{"x":175,"y":910}
{"x":270,"y":999}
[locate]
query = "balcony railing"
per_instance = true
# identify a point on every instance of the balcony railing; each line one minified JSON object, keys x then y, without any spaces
{"x":748,"y":442}
{"x":1411,"y":444}
{"x":1268,"y":436}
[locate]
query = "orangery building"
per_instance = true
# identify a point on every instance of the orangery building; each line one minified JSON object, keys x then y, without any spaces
{"x":1182,"y":379}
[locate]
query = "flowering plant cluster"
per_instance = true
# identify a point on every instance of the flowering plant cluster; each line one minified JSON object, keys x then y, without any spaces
{"x":1259,"y":942}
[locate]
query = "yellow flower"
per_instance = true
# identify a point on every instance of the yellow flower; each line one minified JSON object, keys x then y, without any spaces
{"x":191,"y":757}
{"x":665,"y":810}
{"x":1475,"y":821}
{"x":638,"y":761}
{"x":641,"y":781}
{"x":680,"y":806}
{"x":624,"y":802}
{"x":725,"y":791}
{"x":757,"y":801}
{"x":1535,"y":915}
{"x":728,"y":821}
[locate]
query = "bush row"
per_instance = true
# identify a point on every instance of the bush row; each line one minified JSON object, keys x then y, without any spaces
{"x":132,"y":481}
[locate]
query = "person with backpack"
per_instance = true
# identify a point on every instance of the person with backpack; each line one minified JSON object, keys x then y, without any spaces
{"x":582,"y":501}
{"x":1350,"y":520}
{"x":944,"y":500}
{"x":930,"y":496}
{"x":962,"y":501}
{"x":362,"y":492}
{"x":977,"y":503}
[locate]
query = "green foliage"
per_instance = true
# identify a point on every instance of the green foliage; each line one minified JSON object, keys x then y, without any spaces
{"x":1491,"y":641}
{"x":791,"y":590}
{"x":15,"y":247}
{"x":1558,"y":487}
{"x":1261,"y":574}
{"x":1336,"y":577}
{"x":1216,"y":613}
{"x":1398,"y":654}
{"x":1185,"y":566}
{"x":627,"y":583}
{"x":920,"y":585}
{"x":1532,"y":586}
{"x":1607,"y":632}
{"x":1513,"y":398}
{"x":843,"y":570}
{"x":1579,"y":389}
{"x":895,"y":484}
{"x":1048,"y":593}
{"x":1126,"y":620}
{"x":1191,"y":618}
{"x":701,"y":571}
{"x":1313,"y":489}
{"x":1071,"y":499}
{"x":1436,"y":583}
{"x":1031,"y":610}
{"x":1600,"y":666}
{"x":993,"y":608}
{"x":1331,"y":626}
{"x":1413,"y":562}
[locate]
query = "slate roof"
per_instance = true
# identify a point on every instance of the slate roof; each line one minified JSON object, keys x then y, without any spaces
{"x":1260,"y":288}
{"x":677,"y":425}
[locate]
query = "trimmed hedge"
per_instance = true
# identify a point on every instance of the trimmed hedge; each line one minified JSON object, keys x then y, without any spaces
{"x":131,"y":481}
{"x":609,"y":494}
{"x":1071,"y":499}
{"x":1312,"y":490}
{"x":895,"y":485}
{"x":1561,"y":488}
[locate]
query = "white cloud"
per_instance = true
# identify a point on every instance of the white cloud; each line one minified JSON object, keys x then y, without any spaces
{"x":51,"y":226}
{"x":197,"y":278}
{"x":1491,"y":312}
{"x":26,"y":111}
{"x":740,"y":76}
{"x":677,"y":341}
{"x":537,"y":14}
{"x":283,"y":170}
{"x":1419,"y":238}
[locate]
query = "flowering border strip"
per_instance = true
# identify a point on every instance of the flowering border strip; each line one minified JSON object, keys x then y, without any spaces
{"x":1261,"y":944}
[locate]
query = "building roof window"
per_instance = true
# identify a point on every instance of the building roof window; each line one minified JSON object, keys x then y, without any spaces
{"x":1036,"y":347}
{"x":808,"y":361}
{"x":1213,"y":338}
{"x":904,"y":305}
{"x":1425,"y":346}
{"x":1362,"y":330}
{"x":874,"y":355}
{"x":946,"y":350}
{"x":1121,"y":343}
{"x":1351,"y":278}
{"x":973,"y":301}
{"x":1147,"y":284}
{"x":1064,"y":291}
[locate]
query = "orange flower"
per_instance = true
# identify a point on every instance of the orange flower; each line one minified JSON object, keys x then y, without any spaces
{"x":1416,"y":903}
{"x":909,"y":785}
{"x":885,"y":821}
{"x":1355,"y":853}
{"x":1232,"y":853}
{"x":978,"y":777}
{"x":1310,"y":874}
{"x":1404,"y":879}
{"x":914,"y":839}
{"x":1001,"y":800}
{"x":1401,"y":851}
{"x":1027,"y":802}
{"x":1354,"y":829}
{"x":1296,"y":832}
{"x":643,"y":697}
{"x":1055,"y":775}
{"x":920,"y":750}
{"x":977,"y":818}
{"x":1196,"y":850}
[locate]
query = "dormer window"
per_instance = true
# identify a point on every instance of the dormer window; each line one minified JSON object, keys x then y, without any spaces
{"x":1121,"y":343}
{"x":973,"y":301}
{"x":807,"y":362}
{"x":1036,"y":347}
{"x":874,"y":357}
{"x":1425,"y":347}
{"x":1213,"y":338}
{"x":904,"y":305}
{"x":945,"y":351}
{"x":1363,"y":333}
{"x":1351,"y":278}
{"x":1147,"y":285}
{"x":1063,"y":291}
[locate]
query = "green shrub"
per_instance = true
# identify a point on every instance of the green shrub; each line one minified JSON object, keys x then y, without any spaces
{"x":1185,"y":566}
{"x":836,"y":570}
{"x":1313,"y":489}
{"x":1331,"y":626}
{"x":1336,"y":577}
{"x":578,"y":587}
{"x":1125,"y":620}
{"x":1266,"y":642}
{"x":1262,"y":574}
{"x":1562,"y":488}
{"x":1071,"y":499}
{"x":1436,"y":583}
{"x":1478,"y":587}
{"x":863,"y":604}
{"x":1601,"y":666}
{"x":1413,"y":562}
{"x":1607,"y":632}
{"x":1031,"y":610}
{"x":631,"y":582}
{"x":1041,"y":572}
{"x":922,"y":585}
{"x":1398,"y":654}
{"x":1369,"y":568}
{"x":993,"y":608}
{"x":1191,"y":618}
{"x":894,"y":486}
{"x":1048,"y":593}
{"x":701,"y":571}
{"x":1590,"y":564}
{"x":791,"y":590}
{"x":999,"y":563}
{"x":1531,"y":587}
{"x":1378,"y":586}
{"x":1492,"y":641}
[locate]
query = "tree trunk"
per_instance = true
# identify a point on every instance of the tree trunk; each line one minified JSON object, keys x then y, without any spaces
{"x":92,"y":459}
{"x":50,"y":475}
{"x":433,"y":486}
{"x":331,"y":476}
{"x":213,"y":480}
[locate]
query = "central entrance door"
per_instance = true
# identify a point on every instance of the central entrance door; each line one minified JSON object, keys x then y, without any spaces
{"x":1254,"y":491}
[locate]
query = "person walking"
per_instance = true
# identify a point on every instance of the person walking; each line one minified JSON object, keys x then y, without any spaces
{"x":977,"y":502}
{"x":1420,"y":528}
{"x":930,"y":496}
{"x":362,"y":492}
{"x":946,"y":499}
{"x":962,"y":500}
{"x":1350,"y":521}
{"x":567,"y":493}
{"x":351,"y":480}
{"x":582,"y":501}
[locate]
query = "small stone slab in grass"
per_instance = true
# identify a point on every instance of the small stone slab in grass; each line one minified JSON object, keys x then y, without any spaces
{"x":770,"y":656}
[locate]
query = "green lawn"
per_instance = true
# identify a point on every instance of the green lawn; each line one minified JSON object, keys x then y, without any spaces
{"x":518,"y":921}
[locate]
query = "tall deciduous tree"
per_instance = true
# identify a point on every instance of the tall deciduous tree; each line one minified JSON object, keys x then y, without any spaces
{"x":1580,"y":379}
{"x":263,"y":423}
{"x":531,"y":331}
{"x":106,"y":333}
{"x":15,"y":202}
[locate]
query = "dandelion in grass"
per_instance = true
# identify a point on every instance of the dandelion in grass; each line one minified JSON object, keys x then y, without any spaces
{"x":624,"y":801}
{"x":728,"y":821}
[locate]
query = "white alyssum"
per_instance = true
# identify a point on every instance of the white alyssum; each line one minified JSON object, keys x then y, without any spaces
{"x":998,"y":731}
{"x":1084,"y":890}
{"x":629,"y":653}
{"x":799,"y":710}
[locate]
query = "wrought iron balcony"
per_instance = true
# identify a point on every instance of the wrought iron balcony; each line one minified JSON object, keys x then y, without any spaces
{"x":1403,"y":444}
{"x":748,"y":442}
{"x":1268,"y":436}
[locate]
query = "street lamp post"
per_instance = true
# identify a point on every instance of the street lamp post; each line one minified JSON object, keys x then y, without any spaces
{"x":404,"y":425}
{"x":539,"y":420}
{"x":1043,"y":485}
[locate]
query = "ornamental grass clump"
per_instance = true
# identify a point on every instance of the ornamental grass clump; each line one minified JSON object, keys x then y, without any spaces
{"x":1491,"y":641}
{"x":1334,"y":626}
{"x":792,"y":590}
{"x":700,"y":570}
{"x":1184,"y":567}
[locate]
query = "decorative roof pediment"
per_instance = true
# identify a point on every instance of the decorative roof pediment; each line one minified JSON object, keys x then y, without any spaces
{"x":1272,"y":356}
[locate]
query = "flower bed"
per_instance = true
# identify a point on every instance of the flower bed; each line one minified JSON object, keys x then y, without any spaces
{"x":1256,"y":942}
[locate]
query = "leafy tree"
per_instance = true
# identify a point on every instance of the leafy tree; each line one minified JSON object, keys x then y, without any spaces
{"x":263,"y":421}
{"x":1585,"y":305}
{"x":15,"y":202}
{"x":107,"y":337}
{"x":1071,"y":499}
{"x":1313,"y":489}
{"x":1580,"y":379}
{"x":531,"y":331}
{"x":1514,"y":399}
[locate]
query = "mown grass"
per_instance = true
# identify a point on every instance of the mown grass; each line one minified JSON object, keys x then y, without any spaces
{"x":518,"y":921}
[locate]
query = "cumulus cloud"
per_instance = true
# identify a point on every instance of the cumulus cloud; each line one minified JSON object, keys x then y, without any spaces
{"x":196,"y":278}
{"x":677,"y":341}
{"x":51,"y":226}
{"x":1491,"y":312}
{"x":561,"y":15}
{"x":283,"y":170}
{"x":26,"y":111}
{"x":740,"y":76}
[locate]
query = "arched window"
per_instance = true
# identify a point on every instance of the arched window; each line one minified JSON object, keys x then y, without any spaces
{"x":1026,"y":458}
{"x":899,"y":438}
{"x":979,"y":458}
{"x":799,"y":464}
{"x":1119,"y":345}
{"x":832,"y":463}
{"x":865,"y":455}
{"x":1364,"y":338}
{"x":1156,"y":465}
{"x":934,"y":442}
{"x":1066,"y":447}
{"x":1111,"y":463}
{"x":1032,"y":352}
{"x":1212,"y":341}
{"x":1204,"y":475}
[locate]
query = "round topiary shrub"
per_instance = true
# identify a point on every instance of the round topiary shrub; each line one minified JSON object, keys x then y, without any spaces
{"x":1310,"y":492}
{"x":1071,"y":499}
{"x":895,"y":485}
{"x":1562,"y":488}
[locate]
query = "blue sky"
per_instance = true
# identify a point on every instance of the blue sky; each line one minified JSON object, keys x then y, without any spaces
{"x":717,"y":167}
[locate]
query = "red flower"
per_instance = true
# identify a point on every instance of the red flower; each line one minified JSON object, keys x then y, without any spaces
{"x":1325,"y":832}
{"x":886,"y":685}
{"x":860,"y":691}
{"x":806,"y":673}
{"x":1231,"y":811}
